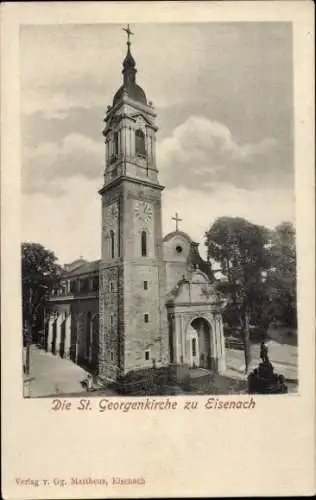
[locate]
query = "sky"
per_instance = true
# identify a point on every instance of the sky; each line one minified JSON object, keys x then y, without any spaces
{"x":223,"y":93}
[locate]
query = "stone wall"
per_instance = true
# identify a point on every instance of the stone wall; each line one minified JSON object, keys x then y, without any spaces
{"x":111,"y":358}
{"x":144,"y":333}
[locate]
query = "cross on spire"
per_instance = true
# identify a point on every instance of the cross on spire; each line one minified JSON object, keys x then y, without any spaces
{"x":129,"y":33}
{"x":177,"y":219}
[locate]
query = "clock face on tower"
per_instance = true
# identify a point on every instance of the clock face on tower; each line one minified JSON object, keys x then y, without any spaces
{"x":143,"y":211}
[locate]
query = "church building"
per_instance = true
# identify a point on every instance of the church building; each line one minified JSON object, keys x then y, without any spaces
{"x":150,"y":300}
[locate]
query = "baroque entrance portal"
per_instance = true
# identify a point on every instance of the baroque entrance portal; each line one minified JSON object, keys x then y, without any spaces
{"x":195,"y":323}
{"x":199,"y":339}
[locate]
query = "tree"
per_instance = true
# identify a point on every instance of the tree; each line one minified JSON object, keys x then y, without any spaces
{"x":281,"y":277}
{"x":241,"y":249}
{"x":40,"y":272}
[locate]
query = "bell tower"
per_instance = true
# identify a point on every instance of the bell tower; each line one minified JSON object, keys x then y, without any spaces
{"x":133,"y":324}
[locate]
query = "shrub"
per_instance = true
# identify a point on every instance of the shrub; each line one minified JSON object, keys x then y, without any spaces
{"x":143,"y":381}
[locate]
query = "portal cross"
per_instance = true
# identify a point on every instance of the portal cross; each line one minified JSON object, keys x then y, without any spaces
{"x":129,"y":32}
{"x":177,"y":219}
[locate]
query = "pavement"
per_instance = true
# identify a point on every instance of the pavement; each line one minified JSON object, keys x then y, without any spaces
{"x":53,"y":375}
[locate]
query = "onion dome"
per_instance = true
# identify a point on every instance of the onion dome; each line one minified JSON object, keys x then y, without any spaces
{"x":130,"y":86}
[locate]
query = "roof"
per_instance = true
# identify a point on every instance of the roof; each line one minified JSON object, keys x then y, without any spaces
{"x":86,"y":268}
{"x":130,"y":86}
{"x":133,"y":91}
{"x":196,"y":260}
{"x":177,"y":233}
{"x":74,"y":265}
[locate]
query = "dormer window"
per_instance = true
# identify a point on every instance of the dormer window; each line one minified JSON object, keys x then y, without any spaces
{"x":140,"y":147}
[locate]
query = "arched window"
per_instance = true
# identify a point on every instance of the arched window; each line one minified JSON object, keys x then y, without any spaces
{"x":116,"y":143}
{"x":144,"y":244}
{"x":112,"y":244}
{"x":140,"y":147}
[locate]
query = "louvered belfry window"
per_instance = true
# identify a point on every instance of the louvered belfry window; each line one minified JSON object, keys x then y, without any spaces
{"x":140,"y":147}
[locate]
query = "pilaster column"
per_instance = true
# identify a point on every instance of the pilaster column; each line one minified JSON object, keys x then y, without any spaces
{"x":50,"y":333}
{"x":80,"y":335}
{"x":107,"y":152}
{"x":129,"y":142}
{"x":67,"y":335}
{"x":221,"y":341}
{"x":132,"y":141}
{"x":58,"y":333}
{"x":90,"y":333}
{"x":183,"y":340}
{"x":177,"y":340}
{"x":214,"y":349}
{"x":154,"y":149}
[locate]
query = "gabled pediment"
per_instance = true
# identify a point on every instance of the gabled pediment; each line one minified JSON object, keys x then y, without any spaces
{"x":141,"y":117}
{"x":135,"y":117}
{"x":196,"y":291}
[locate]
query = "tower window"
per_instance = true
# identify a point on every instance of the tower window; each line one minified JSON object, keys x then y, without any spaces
{"x":111,"y":286}
{"x":144,"y":244}
{"x":145,"y":285}
{"x":112,"y":356}
{"x":116,"y":143}
{"x":112,"y":320}
{"x":146,"y":318}
{"x":147,"y":355}
{"x":140,"y":147}
{"x":112,"y":243}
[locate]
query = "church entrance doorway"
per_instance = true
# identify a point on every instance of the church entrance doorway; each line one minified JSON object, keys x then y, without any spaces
{"x":200,"y":343}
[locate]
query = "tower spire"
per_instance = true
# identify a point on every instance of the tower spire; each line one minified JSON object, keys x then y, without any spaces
{"x":129,"y":69}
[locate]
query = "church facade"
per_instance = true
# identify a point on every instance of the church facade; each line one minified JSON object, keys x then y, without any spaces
{"x":149,"y":300}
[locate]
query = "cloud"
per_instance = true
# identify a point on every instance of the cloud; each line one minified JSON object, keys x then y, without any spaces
{"x":59,"y":102}
{"x":199,"y":209}
{"x":45,"y":166}
{"x":201,"y":151}
{"x":71,"y":227}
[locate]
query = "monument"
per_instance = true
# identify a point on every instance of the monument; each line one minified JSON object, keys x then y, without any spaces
{"x":263,"y":380}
